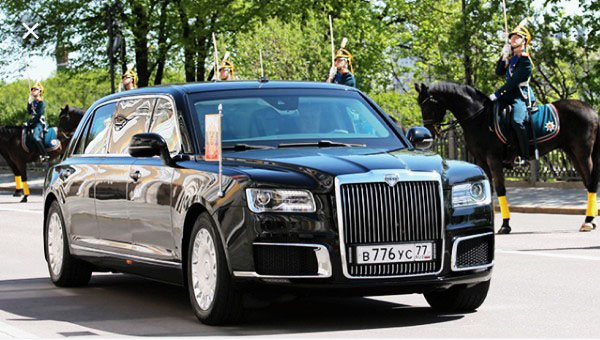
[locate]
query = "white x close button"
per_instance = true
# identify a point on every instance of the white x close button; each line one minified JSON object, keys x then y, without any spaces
{"x":30,"y":30}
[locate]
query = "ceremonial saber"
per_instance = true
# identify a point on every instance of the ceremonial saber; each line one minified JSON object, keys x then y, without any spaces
{"x":216,"y":57}
{"x":505,"y":20}
{"x":332,"y":43}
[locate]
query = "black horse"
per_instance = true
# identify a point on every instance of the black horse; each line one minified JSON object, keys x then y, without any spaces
{"x":17,"y":155}
{"x":578,"y":137}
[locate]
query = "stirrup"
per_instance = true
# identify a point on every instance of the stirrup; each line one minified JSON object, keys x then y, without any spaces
{"x":519,"y":161}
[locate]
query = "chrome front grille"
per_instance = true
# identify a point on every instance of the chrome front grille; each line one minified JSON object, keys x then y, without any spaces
{"x":374,"y":212}
{"x":379,"y":213}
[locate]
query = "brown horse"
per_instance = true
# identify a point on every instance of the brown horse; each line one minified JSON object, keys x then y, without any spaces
{"x":17,"y":155}
{"x":578,"y":137}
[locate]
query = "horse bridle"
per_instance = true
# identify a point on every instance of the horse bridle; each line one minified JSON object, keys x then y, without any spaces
{"x":437,"y":124}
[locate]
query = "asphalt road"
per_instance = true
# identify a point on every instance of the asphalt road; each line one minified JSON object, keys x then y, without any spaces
{"x":545,"y":284}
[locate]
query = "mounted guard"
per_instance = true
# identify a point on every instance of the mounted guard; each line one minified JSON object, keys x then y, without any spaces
{"x":226,"y":69}
{"x":342,"y":72}
{"x":516,"y":65}
{"x":37,"y":126}
{"x":128,"y":80}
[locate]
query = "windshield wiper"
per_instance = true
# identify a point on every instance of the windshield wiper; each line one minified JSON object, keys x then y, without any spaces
{"x":321,"y":144}
{"x":244,"y":147}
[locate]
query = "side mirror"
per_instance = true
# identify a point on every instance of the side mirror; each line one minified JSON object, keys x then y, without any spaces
{"x":150,"y":145}
{"x":420,"y":137}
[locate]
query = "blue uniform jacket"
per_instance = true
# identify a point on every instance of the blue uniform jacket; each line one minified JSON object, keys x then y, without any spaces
{"x":517,"y":74}
{"x":344,"y":79}
{"x":37,"y":110}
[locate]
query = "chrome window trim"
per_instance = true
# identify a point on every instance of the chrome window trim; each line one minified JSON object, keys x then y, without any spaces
{"x":378,"y":176}
{"x":133,"y":97}
{"x":127,"y":256}
{"x":456,"y":241}
{"x":74,"y":141}
{"x":179,"y":148}
{"x":323,"y":261}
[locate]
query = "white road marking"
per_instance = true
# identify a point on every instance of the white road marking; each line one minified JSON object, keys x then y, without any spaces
{"x":560,"y":256}
{"x":7,"y":330}
{"x":22,"y":210}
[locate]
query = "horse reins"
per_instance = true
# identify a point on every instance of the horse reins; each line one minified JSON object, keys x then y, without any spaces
{"x":450,"y":125}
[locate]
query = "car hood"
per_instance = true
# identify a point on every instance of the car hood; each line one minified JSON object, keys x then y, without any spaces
{"x":316,"y":168}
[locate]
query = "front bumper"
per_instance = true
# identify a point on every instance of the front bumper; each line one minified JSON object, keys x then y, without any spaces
{"x":327,"y":275}
{"x":317,"y":233}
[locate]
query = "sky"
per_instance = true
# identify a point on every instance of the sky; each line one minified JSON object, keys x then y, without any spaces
{"x":41,"y":68}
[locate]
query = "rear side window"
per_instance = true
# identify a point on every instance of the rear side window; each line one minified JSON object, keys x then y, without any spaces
{"x":164,"y":123}
{"x":131,"y":117}
{"x":97,"y":134}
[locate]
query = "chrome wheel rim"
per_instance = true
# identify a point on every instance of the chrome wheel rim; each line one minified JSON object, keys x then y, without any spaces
{"x":204,"y":269}
{"x":55,"y":244}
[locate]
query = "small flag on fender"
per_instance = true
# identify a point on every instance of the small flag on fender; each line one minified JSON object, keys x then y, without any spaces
{"x":212,"y":144}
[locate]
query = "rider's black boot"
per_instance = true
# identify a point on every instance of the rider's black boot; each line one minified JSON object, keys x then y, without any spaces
{"x":523,"y":141}
{"x":42,"y":150}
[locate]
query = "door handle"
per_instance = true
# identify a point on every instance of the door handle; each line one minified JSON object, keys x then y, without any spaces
{"x":135,"y":175}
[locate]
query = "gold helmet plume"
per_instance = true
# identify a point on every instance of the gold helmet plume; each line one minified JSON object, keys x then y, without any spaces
{"x":131,"y":74}
{"x":344,"y":54}
{"x":523,"y":32}
{"x":227,"y":64}
{"x":38,"y":86}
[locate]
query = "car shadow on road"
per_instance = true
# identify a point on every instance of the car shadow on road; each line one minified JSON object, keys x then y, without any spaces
{"x":574,"y":231}
{"x":128,"y":305}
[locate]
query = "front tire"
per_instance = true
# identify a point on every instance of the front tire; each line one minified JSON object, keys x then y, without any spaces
{"x":459,"y":298}
{"x":212,"y":294}
{"x":65,"y":270}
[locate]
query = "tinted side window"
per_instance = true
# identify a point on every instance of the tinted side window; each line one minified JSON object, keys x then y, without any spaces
{"x":131,"y":117}
{"x":80,"y":147}
{"x":95,"y":143}
{"x":164,"y":123}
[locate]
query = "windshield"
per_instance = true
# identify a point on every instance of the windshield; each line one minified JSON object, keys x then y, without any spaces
{"x":272,"y":117}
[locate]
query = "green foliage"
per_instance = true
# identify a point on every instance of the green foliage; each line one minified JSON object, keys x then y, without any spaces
{"x":447,"y":40}
{"x":290,"y":50}
{"x":403,"y":107}
{"x":13,"y":103}
{"x":76,"y":90}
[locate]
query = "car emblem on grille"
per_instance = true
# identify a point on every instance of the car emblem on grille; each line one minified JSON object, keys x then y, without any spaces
{"x":391,"y":179}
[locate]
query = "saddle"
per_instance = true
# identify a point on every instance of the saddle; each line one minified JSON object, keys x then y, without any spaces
{"x":543,"y":118}
{"x":49,"y":138}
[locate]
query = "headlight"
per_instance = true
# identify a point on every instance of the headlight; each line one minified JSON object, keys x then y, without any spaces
{"x":275,"y":200}
{"x":471,"y":194}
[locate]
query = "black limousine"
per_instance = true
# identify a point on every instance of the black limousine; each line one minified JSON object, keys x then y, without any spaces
{"x":319,"y":192}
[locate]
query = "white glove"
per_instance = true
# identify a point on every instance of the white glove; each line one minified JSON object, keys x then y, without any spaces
{"x":506,"y":51}
{"x":493,"y":97}
{"x":332,"y":72}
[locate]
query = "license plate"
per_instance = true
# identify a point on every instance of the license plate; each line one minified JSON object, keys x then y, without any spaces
{"x":393,"y":253}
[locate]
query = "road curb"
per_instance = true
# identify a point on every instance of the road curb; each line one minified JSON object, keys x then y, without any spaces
{"x":544,"y":210}
{"x":559,"y":185}
{"x":515,"y":208}
{"x":34,"y":191}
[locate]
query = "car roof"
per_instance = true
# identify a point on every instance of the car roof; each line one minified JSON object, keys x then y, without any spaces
{"x":249,"y":84}
{"x":227,"y":85}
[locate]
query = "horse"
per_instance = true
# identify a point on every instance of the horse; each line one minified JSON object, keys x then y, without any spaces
{"x":17,"y":155}
{"x":578,"y":136}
